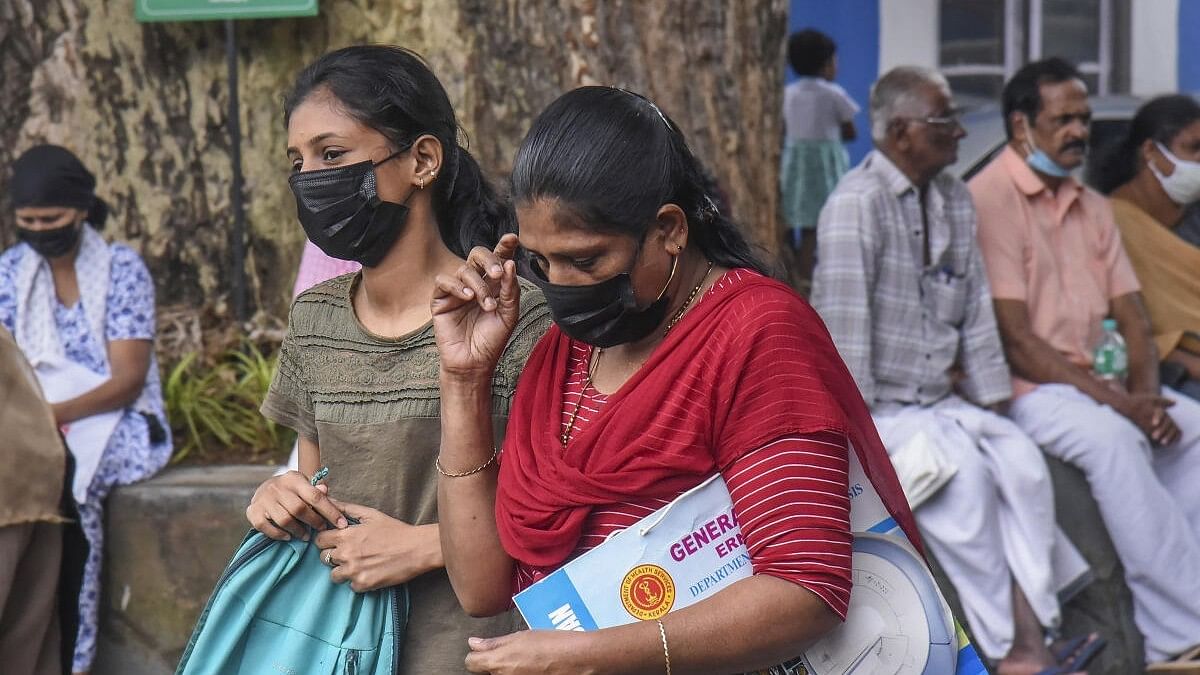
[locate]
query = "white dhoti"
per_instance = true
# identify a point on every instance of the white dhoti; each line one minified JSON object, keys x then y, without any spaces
{"x":993,"y":520}
{"x":1149,"y":499}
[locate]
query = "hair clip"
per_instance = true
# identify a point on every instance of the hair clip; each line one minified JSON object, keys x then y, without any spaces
{"x":661,"y":116}
{"x":708,"y":208}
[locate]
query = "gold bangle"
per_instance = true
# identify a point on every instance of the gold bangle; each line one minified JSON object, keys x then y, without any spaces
{"x":662,"y":631}
{"x":448,"y":474}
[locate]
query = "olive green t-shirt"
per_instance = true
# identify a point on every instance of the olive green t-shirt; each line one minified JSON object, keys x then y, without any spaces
{"x":372,"y":405}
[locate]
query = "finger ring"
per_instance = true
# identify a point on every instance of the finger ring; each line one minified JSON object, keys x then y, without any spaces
{"x":329,"y":558}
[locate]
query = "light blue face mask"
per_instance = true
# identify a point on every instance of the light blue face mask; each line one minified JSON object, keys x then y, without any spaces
{"x":1041,"y":162}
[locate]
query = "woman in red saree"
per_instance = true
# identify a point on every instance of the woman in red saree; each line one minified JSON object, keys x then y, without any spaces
{"x":673,"y":357}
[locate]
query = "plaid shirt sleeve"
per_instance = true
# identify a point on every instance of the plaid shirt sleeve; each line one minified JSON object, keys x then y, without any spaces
{"x":843,"y":283}
{"x":988,"y":379}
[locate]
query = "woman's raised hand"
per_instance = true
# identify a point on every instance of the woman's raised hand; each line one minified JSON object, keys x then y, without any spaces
{"x":476,"y":309}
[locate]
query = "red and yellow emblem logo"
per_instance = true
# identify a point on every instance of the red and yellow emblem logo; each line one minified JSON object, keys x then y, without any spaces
{"x":647,"y":592}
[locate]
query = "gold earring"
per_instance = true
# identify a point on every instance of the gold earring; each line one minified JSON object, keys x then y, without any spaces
{"x":421,"y":185}
{"x":433,"y":174}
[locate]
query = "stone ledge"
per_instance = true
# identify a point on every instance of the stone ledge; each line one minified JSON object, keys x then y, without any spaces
{"x":169,"y":538}
{"x":167,"y":541}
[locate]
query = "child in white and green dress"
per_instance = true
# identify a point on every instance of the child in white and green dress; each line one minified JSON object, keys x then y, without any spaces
{"x":818,"y":118}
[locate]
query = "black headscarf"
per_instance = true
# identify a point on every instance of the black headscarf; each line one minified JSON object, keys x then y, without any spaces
{"x":49,"y":175}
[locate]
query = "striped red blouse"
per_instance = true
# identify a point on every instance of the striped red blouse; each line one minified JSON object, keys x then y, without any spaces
{"x":790,"y":497}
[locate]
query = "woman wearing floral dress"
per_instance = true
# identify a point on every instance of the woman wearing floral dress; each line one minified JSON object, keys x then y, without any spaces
{"x":67,"y":295}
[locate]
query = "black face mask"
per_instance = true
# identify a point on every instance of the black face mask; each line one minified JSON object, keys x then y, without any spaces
{"x":51,"y":243}
{"x":343,"y":215}
{"x":603,"y":314}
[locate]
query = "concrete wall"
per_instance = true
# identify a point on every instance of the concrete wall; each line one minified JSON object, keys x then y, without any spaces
{"x":1164,"y":45}
{"x":1189,"y":46}
{"x":908,"y":33}
{"x":168,"y":539}
{"x":854,"y":26}
{"x":1155,"y":36}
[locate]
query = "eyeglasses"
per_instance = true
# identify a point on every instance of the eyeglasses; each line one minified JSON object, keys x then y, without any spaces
{"x":949,"y":121}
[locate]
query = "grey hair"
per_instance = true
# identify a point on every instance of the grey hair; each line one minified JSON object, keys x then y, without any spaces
{"x":898,"y":94}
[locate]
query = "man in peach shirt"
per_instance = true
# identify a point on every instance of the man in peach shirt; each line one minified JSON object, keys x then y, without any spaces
{"x":1057,"y":269}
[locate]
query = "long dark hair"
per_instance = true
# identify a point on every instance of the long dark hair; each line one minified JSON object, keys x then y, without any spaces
{"x":1161,"y":120}
{"x":614,"y":159}
{"x":392,"y":90}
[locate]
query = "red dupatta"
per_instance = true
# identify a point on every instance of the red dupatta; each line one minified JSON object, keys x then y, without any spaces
{"x":750,"y":364}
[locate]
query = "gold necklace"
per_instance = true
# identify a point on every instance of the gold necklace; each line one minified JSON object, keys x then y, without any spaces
{"x":688,"y":303}
{"x":596,"y":351}
{"x":587,"y":382}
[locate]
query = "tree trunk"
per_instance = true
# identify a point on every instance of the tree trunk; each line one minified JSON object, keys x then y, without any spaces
{"x":144,"y":106}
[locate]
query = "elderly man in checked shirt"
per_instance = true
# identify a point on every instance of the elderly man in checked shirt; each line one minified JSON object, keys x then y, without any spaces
{"x":901,"y":285}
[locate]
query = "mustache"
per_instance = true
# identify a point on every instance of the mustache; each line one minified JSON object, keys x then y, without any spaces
{"x":1082,"y":146}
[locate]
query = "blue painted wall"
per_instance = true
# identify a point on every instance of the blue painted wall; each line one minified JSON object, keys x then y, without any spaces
{"x":854,"y":26}
{"x":1189,"y":45}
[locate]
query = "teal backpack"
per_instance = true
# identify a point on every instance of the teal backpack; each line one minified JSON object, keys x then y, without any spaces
{"x":274,"y":610}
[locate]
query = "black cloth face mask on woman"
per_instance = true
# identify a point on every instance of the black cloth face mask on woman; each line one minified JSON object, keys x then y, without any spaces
{"x":603,"y":314}
{"x":53,"y":243}
{"x":342,"y":214}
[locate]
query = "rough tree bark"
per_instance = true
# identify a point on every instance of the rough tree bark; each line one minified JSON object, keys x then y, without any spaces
{"x":144,"y":105}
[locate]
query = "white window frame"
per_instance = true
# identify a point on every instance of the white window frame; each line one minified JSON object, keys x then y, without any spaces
{"x":1102,"y":67}
{"x":1013,"y":29}
{"x":1012,"y":45}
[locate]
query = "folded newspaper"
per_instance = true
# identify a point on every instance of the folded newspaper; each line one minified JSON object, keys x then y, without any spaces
{"x":689,"y":550}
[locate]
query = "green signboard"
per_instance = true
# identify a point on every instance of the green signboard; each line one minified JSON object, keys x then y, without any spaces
{"x":205,"y":10}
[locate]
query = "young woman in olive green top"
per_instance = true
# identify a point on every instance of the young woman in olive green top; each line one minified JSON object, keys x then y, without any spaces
{"x":379,"y":178}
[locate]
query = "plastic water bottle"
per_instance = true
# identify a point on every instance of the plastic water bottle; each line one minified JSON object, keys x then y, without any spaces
{"x":1110,"y":360}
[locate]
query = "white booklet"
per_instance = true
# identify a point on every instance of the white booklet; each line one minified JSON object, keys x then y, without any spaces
{"x":86,"y":438}
{"x":897,"y":624}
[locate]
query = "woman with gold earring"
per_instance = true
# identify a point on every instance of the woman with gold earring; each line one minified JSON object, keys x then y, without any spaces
{"x":370,"y":128}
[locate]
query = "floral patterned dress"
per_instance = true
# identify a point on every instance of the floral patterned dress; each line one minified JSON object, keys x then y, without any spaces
{"x":139,"y":446}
